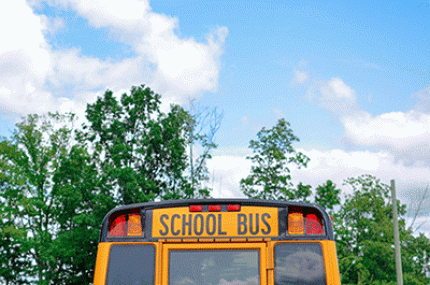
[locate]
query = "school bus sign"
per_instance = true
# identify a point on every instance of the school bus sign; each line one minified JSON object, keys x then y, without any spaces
{"x":182,"y":223}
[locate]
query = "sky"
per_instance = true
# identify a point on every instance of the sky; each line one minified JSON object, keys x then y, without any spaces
{"x":351,"y":77}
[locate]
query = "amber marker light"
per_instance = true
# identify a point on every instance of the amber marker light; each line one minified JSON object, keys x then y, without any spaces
{"x":296,"y":225}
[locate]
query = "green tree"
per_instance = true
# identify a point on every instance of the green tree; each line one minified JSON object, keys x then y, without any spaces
{"x":83,"y":200}
{"x":303,"y":192}
{"x":270,"y":176}
{"x":327,"y":195}
{"x":34,"y":205}
{"x":57,"y":183}
{"x":364,"y":236}
{"x":415,"y":258}
{"x":13,"y":260}
{"x":140,"y":151}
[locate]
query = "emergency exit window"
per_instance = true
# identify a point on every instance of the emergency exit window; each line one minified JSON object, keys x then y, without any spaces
{"x":299,"y":264}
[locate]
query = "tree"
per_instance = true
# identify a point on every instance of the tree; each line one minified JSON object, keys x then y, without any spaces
{"x":143,"y":150}
{"x":364,"y":236}
{"x":270,"y":176}
{"x":13,"y":261}
{"x":83,"y":200}
{"x":57,"y":183}
{"x":327,"y":195}
{"x":36,"y":211}
{"x":303,"y":192}
{"x":197,"y":123}
{"x":418,"y":209}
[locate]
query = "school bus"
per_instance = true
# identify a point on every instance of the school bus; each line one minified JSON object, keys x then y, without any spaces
{"x":217,"y":242}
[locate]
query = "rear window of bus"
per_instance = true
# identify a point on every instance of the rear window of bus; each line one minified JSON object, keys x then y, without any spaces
{"x":299,"y":263}
{"x":131,"y":264}
{"x":214,"y":267}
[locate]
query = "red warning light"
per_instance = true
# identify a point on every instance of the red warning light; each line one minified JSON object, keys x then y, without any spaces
{"x":214,"y":208}
{"x":196,"y":208}
{"x":233,"y":207}
{"x":117,"y":226}
{"x":313,"y":225}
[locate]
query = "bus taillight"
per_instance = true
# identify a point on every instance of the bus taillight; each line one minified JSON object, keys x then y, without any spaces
{"x":313,"y":225}
{"x":126,"y":225}
{"x":296,"y":225}
{"x":134,"y":225}
{"x":117,"y":226}
{"x":298,"y":221}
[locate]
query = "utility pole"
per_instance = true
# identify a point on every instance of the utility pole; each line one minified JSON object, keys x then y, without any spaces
{"x":396,"y":235}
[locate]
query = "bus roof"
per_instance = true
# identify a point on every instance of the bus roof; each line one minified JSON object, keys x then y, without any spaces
{"x":146,"y":211}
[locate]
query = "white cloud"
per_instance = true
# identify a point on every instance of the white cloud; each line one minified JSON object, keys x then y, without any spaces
{"x":182,"y":65}
{"x":228,"y":168}
{"x":406,"y":134}
{"x":335,"y":164}
{"x":396,"y":129}
{"x":31,"y":72}
{"x":185,"y":66}
{"x":334,"y":96}
{"x":104,"y":13}
{"x":338,"y":89}
{"x":55,"y":24}
{"x":89,"y":73}
{"x":24,"y":59}
{"x":338,"y":165}
{"x":227,"y":171}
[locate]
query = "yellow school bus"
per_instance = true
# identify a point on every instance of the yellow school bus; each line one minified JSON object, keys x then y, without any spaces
{"x":217,"y":242}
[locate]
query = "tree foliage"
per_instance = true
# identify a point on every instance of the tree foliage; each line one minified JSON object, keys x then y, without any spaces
{"x":13,"y":234}
{"x":140,"y":151}
{"x":327,"y":195}
{"x":57,"y":183}
{"x":365,"y":238}
{"x":47,"y":223}
{"x":270,"y":175}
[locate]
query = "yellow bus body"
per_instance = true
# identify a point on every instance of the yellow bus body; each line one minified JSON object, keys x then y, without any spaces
{"x":266,"y":247}
{"x":176,"y":229}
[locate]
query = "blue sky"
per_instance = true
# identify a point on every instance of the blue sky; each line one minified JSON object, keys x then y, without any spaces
{"x":352,"y":78}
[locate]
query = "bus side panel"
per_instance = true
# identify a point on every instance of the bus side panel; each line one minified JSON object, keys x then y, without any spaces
{"x":102,"y":263}
{"x":331,"y":264}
